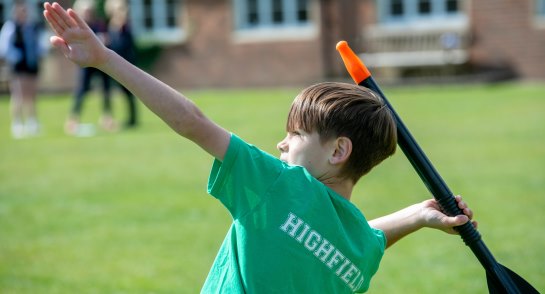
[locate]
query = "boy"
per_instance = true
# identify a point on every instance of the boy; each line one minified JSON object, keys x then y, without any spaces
{"x":294,"y":229}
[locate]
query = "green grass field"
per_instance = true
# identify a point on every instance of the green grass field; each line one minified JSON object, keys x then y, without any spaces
{"x":128,"y":212}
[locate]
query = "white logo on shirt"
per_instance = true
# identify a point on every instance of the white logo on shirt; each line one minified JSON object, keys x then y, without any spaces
{"x":326,"y":252}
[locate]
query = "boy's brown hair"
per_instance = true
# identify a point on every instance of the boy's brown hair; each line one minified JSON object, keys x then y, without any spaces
{"x":344,"y":110}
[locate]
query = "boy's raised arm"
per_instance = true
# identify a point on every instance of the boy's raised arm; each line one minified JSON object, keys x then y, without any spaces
{"x":78,"y":43}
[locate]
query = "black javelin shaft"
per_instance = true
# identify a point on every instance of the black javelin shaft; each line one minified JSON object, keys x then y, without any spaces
{"x":430,"y":177}
{"x":443,"y":195}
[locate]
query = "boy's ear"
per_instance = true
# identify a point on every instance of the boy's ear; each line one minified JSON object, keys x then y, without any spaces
{"x":343,"y":149}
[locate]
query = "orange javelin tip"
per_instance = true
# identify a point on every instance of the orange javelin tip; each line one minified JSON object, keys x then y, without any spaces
{"x":355,"y":67}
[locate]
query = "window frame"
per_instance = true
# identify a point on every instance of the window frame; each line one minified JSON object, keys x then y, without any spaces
{"x":266,"y":28}
{"x":539,"y":14}
{"x":411,"y":17}
{"x":161,"y":32}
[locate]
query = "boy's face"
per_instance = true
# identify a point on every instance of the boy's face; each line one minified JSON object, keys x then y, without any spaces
{"x":305,"y":149}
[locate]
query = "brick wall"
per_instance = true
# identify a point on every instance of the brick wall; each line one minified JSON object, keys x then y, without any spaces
{"x":212,"y":57}
{"x":505,"y":34}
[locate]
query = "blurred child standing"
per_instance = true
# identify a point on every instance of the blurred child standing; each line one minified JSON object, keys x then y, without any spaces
{"x":87,"y":8}
{"x":121,"y":41}
{"x":21,"y":50}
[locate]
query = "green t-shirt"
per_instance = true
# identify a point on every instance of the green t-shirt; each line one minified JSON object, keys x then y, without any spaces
{"x":290,"y":232}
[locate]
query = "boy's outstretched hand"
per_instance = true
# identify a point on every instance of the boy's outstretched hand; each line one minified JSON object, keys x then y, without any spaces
{"x":74,"y":38}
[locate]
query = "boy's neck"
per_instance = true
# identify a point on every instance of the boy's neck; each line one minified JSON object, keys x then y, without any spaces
{"x":341,"y":187}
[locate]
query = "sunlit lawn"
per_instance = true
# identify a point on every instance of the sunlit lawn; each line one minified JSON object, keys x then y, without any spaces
{"x":128,"y":212}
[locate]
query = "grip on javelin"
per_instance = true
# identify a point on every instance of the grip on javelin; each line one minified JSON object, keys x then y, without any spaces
{"x":355,"y":67}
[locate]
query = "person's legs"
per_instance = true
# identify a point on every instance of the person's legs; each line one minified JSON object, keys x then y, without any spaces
{"x":106,"y":93}
{"x":16,"y":104}
{"x":83,"y":86}
{"x":131,"y":107}
{"x":29,"y":84}
{"x":107,"y":121}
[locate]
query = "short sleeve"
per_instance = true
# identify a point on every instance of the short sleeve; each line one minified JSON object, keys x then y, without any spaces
{"x":381,"y":237}
{"x":242,"y":180}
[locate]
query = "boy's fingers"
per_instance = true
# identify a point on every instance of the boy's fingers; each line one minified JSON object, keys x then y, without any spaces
{"x":79,"y":21}
{"x":468,"y":212}
{"x":61,"y":17}
{"x":54,"y":18}
{"x":52,"y":23}
{"x":60,"y":44}
{"x":460,"y":220}
{"x":461,"y":204}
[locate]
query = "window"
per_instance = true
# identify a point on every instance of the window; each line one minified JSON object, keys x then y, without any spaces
{"x":540,"y":8}
{"x":539,"y":14}
{"x":172,"y":13}
{"x":302,"y":11}
{"x":256,"y":14}
{"x":147,"y":19}
{"x":415,"y":11}
{"x":277,"y":12}
{"x":261,"y":20}
{"x":157,"y":21}
{"x":424,"y":7}
{"x":396,"y":8}
{"x":452,"y":6}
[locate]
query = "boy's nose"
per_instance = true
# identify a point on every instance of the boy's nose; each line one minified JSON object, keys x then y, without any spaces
{"x":282,"y":146}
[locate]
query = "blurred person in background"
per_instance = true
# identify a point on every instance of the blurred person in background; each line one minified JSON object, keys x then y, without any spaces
{"x":87,"y":9}
{"x":21,"y":49}
{"x":121,"y":41}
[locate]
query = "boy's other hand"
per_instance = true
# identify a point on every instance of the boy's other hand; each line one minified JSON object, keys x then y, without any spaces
{"x":73,"y":37}
{"x":434,"y":217}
